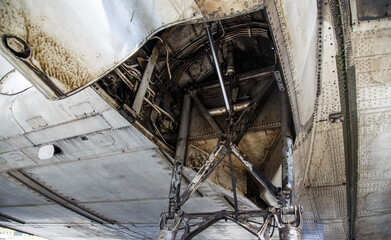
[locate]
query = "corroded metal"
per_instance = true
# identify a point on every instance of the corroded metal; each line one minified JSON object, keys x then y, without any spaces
{"x":287,"y":151}
{"x":212,"y":9}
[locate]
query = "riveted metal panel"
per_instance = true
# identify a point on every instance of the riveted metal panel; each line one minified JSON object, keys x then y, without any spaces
{"x":13,"y":143}
{"x":71,"y":129}
{"x":295,"y":30}
{"x":16,"y":159}
{"x":330,"y":201}
{"x":319,"y":156}
{"x":148,"y":210}
{"x":71,"y":231}
{"x":372,"y":55}
{"x":27,"y":107}
{"x":13,"y":193}
{"x":115,"y":119}
{"x":120,"y":175}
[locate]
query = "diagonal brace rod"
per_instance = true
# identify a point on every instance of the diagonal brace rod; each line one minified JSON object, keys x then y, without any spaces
{"x":208,"y":167}
{"x":261,"y":178}
{"x":205,"y":113}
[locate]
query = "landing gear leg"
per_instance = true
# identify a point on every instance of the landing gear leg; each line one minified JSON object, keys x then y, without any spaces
{"x":287,"y":217}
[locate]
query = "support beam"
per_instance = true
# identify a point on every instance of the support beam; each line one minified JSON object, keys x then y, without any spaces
{"x":138,"y":101}
{"x":207,"y":168}
{"x":179,"y":155}
{"x":261,"y":178}
{"x":237,"y":107}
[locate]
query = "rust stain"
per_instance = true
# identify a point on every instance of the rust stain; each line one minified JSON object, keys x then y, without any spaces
{"x":48,"y":54}
{"x":214,"y":9}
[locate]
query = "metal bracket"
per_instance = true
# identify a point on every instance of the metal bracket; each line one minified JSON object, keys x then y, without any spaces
{"x":289,"y":222}
{"x":169,"y":231}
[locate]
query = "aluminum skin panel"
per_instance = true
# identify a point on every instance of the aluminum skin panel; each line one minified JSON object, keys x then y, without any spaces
{"x":319,"y":167}
{"x":371,"y":41}
{"x":295,"y":31}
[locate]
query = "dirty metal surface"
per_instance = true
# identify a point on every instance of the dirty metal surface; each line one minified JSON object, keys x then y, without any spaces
{"x":256,"y":144}
{"x":107,"y":33}
{"x":372,"y":54}
{"x":368,"y":10}
{"x":320,"y":183}
{"x":211,"y":9}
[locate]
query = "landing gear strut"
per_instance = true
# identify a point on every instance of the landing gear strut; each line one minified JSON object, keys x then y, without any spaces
{"x":287,"y":217}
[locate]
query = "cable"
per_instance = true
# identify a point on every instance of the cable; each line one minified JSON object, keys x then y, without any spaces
{"x":222,"y":28}
{"x":167,"y":55}
{"x":274,"y":227}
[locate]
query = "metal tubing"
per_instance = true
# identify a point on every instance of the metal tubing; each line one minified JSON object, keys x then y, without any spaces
{"x":217,"y":65}
{"x":202,"y":174}
{"x":233,"y":185}
{"x":236,"y":107}
{"x":250,"y":114}
{"x":138,"y":101}
{"x":179,"y":154}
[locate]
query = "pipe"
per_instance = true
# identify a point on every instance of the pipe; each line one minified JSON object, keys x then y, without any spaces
{"x":236,"y":107}
{"x":219,"y":75}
